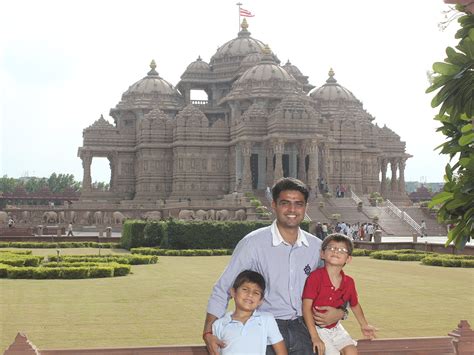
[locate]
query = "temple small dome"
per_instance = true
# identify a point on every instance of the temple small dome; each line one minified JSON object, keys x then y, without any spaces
{"x":152,"y":83}
{"x":266,"y":79}
{"x":240,"y":46}
{"x":332,"y":91}
{"x":197,"y":67}
{"x":292,"y":69}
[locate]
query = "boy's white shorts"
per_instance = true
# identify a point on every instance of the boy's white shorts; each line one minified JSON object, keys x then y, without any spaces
{"x":335,"y":339}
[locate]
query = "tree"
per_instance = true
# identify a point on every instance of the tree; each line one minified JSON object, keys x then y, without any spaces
{"x":60,"y":182}
{"x":7,"y":185}
{"x":455,"y":80}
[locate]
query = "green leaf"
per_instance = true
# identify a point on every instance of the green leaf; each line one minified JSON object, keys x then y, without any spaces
{"x":466,"y":139}
{"x":440,"y":198}
{"x":466,"y":128}
{"x":445,"y":68}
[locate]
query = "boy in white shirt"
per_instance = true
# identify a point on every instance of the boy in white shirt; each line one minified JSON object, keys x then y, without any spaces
{"x":246,"y":330}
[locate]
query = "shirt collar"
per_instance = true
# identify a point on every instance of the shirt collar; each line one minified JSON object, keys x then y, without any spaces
{"x":277,"y":239}
{"x":228,"y":317}
{"x":327,"y":281}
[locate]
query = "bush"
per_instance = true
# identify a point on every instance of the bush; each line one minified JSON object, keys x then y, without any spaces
{"x":19,"y":252}
{"x":4,"y":270}
{"x":75,"y":273}
{"x":121,"y":269}
{"x":133,"y":234}
{"x":467,"y":263}
{"x":361,"y":252}
{"x":154,"y":234}
{"x":384,"y":255}
{"x":101,"y":271}
{"x":20,"y":272}
{"x":46,"y":273}
{"x":451,"y":262}
{"x":411,"y":257}
{"x":432,"y":260}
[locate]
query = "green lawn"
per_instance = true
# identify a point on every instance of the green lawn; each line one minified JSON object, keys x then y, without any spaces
{"x":165,"y":303}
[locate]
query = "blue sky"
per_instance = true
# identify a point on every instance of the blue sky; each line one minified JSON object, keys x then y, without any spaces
{"x":63,"y":64}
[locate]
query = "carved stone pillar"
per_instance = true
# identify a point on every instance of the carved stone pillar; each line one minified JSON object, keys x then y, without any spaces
{"x":313,"y":172}
{"x":383,"y":169}
{"x":246,"y":173}
{"x":302,"y":148}
{"x":401,"y":178}
{"x":325,"y":165}
{"x":269,"y":175}
{"x":278,"y":148}
{"x":86,"y":165}
{"x":393,"y":182}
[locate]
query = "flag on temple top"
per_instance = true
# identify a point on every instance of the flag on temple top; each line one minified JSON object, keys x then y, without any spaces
{"x":245,"y":13}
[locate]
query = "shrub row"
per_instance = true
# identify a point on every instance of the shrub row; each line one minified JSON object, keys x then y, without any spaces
{"x":134,"y":259}
{"x":52,"y":245}
{"x":20,"y":259}
{"x":426,"y":258}
{"x":182,"y":252}
{"x":118,"y":269}
{"x":20,"y":252}
{"x":176,"y":234}
{"x":447,"y":261}
{"x":361,"y":252}
{"x":72,"y":272}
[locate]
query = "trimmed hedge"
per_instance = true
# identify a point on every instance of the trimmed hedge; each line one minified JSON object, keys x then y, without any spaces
{"x":426,"y":258}
{"x":51,"y":245}
{"x":184,"y":252}
{"x":134,"y":259}
{"x":14,"y":259}
{"x":133,"y":234}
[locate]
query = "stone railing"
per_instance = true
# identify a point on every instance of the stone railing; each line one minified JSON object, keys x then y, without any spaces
{"x":355,"y":197}
{"x":403,"y":216}
{"x":458,"y":342}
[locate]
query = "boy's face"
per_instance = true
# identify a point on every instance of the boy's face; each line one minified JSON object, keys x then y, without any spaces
{"x":336,"y":253}
{"x":247,"y":296}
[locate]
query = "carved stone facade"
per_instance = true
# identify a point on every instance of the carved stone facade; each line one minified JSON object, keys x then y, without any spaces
{"x":261,"y":121}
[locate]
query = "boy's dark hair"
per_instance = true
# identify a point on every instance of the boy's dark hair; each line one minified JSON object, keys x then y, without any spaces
{"x":249,"y":276}
{"x":338,"y":237}
{"x":289,"y":183}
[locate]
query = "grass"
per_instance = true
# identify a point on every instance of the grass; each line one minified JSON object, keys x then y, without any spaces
{"x":165,"y":303}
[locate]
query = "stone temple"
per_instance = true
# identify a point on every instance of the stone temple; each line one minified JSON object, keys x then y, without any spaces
{"x":261,"y":121}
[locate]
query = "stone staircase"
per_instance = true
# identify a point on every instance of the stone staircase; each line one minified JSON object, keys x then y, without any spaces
{"x":432,"y":226}
{"x":321,"y":209}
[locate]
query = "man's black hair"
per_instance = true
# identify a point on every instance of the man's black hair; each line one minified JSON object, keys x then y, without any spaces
{"x":289,"y":183}
{"x":338,"y":237}
{"x":249,"y":276}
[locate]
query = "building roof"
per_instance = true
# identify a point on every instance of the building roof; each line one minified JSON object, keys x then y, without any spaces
{"x":333,"y":91}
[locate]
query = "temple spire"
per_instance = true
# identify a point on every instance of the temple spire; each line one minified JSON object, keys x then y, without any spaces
{"x":153,"y":67}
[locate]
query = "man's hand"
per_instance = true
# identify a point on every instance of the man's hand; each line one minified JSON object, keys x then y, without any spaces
{"x":213,"y":344}
{"x":326,"y":315}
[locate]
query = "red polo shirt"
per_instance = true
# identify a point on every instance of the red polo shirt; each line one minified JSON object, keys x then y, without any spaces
{"x":319,"y":288}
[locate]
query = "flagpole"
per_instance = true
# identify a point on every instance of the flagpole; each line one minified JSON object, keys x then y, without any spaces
{"x":239,"y":4}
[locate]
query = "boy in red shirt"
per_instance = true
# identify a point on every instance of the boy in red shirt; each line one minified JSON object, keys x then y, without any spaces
{"x":329,"y":286}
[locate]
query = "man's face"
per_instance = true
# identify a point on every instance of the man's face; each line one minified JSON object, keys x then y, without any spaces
{"x":289,"y":208}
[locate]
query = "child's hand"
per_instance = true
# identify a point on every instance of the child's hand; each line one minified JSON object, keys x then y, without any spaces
{"x":368,"y":331}
{"x":318,"y":346}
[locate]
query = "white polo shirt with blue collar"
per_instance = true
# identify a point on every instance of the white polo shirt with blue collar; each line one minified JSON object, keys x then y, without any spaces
{"x":250,"y":338}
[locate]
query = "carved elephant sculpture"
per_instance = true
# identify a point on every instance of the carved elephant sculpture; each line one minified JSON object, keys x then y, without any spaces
{"x":25,"y":217}
{"x":186,"y":215}
{"x":3,"y":217}
{"x":201,"y":215}
{"x":61,"y":217}
{"x":86,"y":218}
{"x":211,"y":215}
{"x":72,"y":217}
{"x":152,"y":216}
{"x":107,"y":218}
{"x":50,"y":217}
{"x":222,"y":215}
{"x":118,"y":217}
{"x":98,"y":218}
{"x":240,"y":215}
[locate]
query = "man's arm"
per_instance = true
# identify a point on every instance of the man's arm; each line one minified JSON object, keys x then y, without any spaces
{"x":330,"y":316}
{"x":212,"y":342}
